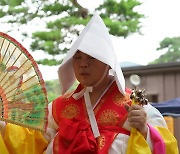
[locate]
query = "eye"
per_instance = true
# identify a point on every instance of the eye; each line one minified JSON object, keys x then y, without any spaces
{"x":76,"y":57}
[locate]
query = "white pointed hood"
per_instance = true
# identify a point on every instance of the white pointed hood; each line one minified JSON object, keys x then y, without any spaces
{"x":95,"y":41}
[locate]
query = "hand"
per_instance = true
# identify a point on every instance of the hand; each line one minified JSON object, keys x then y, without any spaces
{"x":137,"y":118}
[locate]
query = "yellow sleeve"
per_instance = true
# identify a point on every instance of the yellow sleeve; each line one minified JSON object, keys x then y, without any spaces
{"x":169,"y":140}
{"x":137,"y":143}
{"x":20,"y":140}
{"x":3,"y":148}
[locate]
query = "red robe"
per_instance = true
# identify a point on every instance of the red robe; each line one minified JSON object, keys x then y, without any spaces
{"x":75,"y":135}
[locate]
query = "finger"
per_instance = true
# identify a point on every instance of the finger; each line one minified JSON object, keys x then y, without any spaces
{"x":127,"y":107}
{"x":135,"y":113}
{"x":136,"y":125}
{"x":135,"y":107}
{"x":135,"y":119}
{"x":136,"y":122}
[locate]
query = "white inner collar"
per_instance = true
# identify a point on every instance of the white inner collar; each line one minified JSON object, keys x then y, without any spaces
{"x":97,"y":102}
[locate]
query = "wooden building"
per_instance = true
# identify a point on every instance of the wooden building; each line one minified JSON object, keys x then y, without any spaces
{"x":161,"y":81}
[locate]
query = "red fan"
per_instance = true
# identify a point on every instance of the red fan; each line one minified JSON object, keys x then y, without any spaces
{"x":23,"y":98}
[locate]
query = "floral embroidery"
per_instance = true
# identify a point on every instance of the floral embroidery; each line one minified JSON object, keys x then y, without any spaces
{"x":120,"y":100}
{"x":101,"y":141}
{"x":108,"y":117}
{"x":70,"y":111}
{"x":56,"y":144}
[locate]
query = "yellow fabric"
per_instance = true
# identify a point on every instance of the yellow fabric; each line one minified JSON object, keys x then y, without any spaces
{"x":3,"y":148}
{"x":169,"y":139}
{"x":20,"y":140}
{"x":137,"y":144}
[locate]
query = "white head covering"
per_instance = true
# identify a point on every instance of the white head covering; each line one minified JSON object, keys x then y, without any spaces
{"x":95,"y":41}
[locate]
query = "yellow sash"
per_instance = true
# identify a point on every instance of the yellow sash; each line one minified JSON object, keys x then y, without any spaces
{"x":137,"y":144}
{"x":3,"y":148}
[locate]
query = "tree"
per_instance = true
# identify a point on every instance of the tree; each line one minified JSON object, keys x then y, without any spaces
{"x":172,"y":47}
{"x":53,"y":90}
{"x":69,"y":19}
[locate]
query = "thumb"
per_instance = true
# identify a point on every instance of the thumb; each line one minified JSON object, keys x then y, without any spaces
{"x":127,"y":107}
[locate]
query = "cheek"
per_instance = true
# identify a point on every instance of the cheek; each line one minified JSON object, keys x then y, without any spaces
{"x":99,"y":74}
{"x":75,"y":68}
{"x":99,"y":71}
{"x":76,"y":71}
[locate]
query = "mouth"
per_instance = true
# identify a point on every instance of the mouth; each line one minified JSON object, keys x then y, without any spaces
{"x":84,"y":74}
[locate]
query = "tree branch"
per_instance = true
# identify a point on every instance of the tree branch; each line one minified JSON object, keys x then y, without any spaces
{"x":83,"y":12}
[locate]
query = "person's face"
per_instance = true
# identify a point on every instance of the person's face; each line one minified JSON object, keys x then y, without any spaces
{"x":87,"y":69}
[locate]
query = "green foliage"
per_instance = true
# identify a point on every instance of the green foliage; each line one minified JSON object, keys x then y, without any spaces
{"x":67,"y":22}
{"x":68,"y":18}
{"x":12,"y":3}
{"x":53,"y":35}
{"x":14,"y":10}
{"x":120,"y":17}
{"x":50,"y":62}
{"x":172,"y":45}
{"x":53,"y":89}
{"x":56,"y":8}
{"x":3,"y":2}
{"x":2,"y":14}
{"x":47,"y":41}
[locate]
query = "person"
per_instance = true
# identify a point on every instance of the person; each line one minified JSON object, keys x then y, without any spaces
{"x":98,"y":117}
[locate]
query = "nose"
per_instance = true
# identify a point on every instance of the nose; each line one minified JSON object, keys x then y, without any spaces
{"x":84,"y":62}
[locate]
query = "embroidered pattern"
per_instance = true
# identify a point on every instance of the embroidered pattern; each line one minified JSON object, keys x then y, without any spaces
{"x":101,"y":141}
{"x":108,"y":117}
{"x":56,"y":144}
{"x":120,"y":100}
{"x":70,"y":111}
{"x":98,"y":107}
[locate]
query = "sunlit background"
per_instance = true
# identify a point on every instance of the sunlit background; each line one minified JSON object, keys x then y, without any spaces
{"x":161,"y":20}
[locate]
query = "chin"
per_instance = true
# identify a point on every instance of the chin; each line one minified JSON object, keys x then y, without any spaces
{"x":85,"y":84}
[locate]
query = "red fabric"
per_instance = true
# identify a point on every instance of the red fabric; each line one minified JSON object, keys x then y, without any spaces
{"x":80,"y":139}
{"x":75,"y":135}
